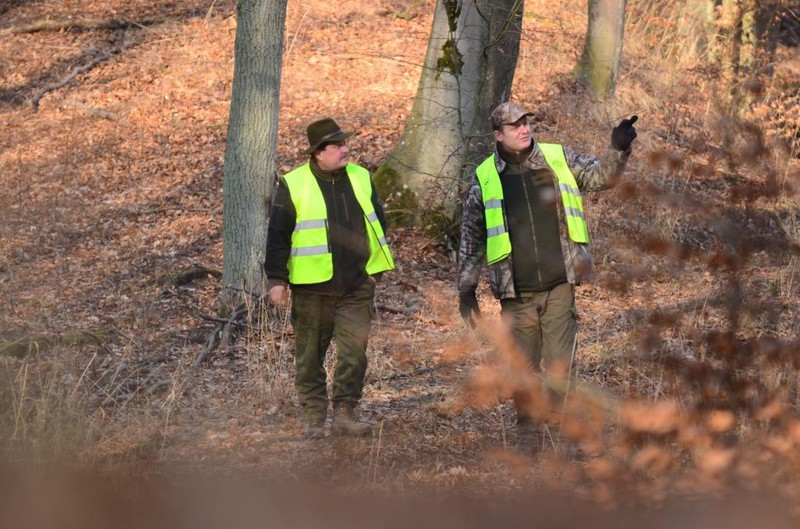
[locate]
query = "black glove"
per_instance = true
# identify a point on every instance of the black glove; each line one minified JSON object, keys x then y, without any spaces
{"x":623,"y":134}
{"x":468,"y":307}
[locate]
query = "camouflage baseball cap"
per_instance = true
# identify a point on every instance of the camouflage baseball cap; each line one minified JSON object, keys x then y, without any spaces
{"x":506,"y":113}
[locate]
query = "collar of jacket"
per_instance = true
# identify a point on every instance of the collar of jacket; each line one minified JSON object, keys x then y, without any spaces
{"x":327,"y":176}
{"x":535,"y":160}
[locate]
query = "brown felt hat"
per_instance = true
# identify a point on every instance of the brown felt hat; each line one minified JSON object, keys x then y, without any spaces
{"x":323,"y":131}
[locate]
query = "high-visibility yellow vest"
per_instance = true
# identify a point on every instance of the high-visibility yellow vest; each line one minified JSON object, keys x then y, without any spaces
{"x":310,"y":259}
{"x":498,"y":242}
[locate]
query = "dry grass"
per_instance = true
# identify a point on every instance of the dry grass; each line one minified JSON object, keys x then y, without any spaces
{"x":43,"y":411}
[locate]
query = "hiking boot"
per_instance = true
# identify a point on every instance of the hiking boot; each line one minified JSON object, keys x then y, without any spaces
{"x":529,"y":436}
{"x":315,"y":430}
{"x":563,"y":445}
{"x":346,"y":423}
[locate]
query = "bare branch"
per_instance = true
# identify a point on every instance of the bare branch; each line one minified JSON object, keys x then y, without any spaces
{"x":34,"y":101}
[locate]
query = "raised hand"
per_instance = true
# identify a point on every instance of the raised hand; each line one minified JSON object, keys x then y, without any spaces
{"x":623,"y":134}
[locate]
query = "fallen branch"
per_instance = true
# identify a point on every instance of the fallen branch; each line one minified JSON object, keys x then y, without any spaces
{"x":414,"y":307}
{"x":211,"y":343}
{"x":193,"y":273}
{"x":100,"y":113}
{"x":92,"y":111}
{"x":34,"y":101}
{"x":42,"y":342}
{"x":156,"y":386}
{"x":73,"y":23}
{"x":415,"y":327}
{"x":405,"y":374}
{"x":159,"y":211}
{"x":223,"y":321}
{"x":224,"y":331}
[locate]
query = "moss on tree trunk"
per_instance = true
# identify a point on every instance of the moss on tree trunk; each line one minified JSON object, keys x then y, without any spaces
{"x":400,"y":202}
{"x":404,"y":208}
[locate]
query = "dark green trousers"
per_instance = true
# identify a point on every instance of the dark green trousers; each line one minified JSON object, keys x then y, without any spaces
{"x":317,"y":319}
{"x":545,"y":327}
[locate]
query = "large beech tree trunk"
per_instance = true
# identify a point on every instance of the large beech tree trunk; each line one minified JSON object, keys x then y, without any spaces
{"x":469,"y":67}
{"x":250,"y":163}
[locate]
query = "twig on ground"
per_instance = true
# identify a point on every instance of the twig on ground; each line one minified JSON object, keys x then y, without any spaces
{"x":407,"y":374}
{"x":193,"y":273}
{"x":398,"y":310}
{"x":43,"y":342}
{"x":74,"y":23}
{"x":211,"y":343}
{"x":224,"y":330}
{"x":223,"y":321}
{"x":34,"y":101}
{"x":93,"y":111}
{"x":155,"y":386}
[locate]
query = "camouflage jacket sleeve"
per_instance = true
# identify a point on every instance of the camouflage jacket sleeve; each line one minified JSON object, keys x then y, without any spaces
{"x":472,"y":251}
{"x":597,"y":174}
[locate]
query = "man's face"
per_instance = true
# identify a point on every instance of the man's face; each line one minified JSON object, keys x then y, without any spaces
{"x":333,"y":156}
{"x":515,"y":137}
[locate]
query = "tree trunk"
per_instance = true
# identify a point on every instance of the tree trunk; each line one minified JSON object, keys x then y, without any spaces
{"x":768,"y":27}
{"x":749,"y":45}
{"x":469,"y":66}
{"x":499,"y":65}
{"x":729,"y":18}
{"x":697,"y":32}
{"x":250,"y":164}
{"x":599,"y":63}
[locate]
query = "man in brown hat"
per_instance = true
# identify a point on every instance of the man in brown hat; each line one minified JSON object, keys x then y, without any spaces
{"x":523,"y":216}
{"x":326,"y":240}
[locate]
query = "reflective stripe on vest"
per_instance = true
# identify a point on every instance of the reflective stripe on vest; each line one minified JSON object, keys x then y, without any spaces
{"x":498,"y":242}
{"x":310,"y":259}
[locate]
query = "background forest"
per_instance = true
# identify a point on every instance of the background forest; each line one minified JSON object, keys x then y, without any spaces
{"x":120,"y":364}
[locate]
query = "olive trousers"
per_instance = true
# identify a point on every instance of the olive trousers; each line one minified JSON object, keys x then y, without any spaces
{"x":544,"y":327}
{"x":317,"y":319}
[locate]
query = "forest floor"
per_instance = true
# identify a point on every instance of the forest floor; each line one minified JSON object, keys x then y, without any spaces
{"x":113,"y":187}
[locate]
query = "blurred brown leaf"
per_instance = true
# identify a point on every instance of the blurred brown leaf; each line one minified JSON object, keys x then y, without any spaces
{"x":656,"y":418}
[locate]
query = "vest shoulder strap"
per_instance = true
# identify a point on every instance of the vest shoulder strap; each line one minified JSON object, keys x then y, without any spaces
{"x":553,"y":154}
{"x":484,"y":171}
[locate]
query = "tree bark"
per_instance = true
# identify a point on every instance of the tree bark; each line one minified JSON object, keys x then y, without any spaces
{"x":697,"y":32}
{"x":469,"y":66}
{"x":599,"y":63}
{"x":749,"y":44}
{"x":499,"y":64}
{"x":250,"y":164}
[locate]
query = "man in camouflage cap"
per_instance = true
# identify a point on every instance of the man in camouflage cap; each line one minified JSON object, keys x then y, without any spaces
{"x":523,"y":216}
